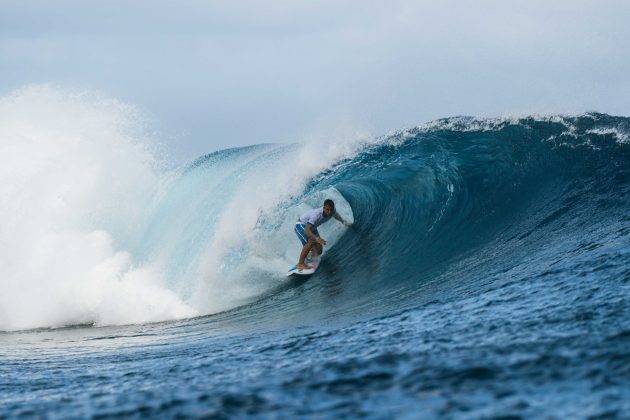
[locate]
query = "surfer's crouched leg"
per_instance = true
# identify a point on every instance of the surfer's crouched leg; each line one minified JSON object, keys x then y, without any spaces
{"x":305,"y":250}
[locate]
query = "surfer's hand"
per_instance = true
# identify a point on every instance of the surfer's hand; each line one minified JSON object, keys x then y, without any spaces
{"x":321,"y":241}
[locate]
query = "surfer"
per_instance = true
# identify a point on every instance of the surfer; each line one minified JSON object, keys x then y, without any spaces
{"x":306,"y":230}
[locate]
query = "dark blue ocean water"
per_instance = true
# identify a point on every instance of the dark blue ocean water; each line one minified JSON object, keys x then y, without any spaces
{"x":487,"y":276}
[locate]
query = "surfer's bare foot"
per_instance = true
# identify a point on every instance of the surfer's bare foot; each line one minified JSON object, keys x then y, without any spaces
{"x":304,"y":267}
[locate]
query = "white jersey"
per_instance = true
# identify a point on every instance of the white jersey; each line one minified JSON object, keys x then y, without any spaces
{"x":315,"y":217}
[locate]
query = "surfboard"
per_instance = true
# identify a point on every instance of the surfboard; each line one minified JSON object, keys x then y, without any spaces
{"x":313,"y":262}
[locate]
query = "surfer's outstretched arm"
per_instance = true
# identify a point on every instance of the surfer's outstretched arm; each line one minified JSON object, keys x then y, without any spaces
{"x":338,"y":217}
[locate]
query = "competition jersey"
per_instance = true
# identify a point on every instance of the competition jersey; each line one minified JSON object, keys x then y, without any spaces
{"x":315,"y":217}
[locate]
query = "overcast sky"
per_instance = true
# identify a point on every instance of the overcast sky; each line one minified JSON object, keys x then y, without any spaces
{"x":216,"y":74}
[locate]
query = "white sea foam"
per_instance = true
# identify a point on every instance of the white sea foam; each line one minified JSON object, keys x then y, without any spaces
{"x":620,"y":135}
{"x":74,"y":180}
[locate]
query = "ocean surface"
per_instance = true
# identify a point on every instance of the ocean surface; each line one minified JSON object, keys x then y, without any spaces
{"x":487,"y":274}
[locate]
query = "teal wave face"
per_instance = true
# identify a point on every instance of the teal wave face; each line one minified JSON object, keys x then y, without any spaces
{"x":462,"y":198}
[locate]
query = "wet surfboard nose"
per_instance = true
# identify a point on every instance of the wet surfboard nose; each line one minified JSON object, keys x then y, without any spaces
{"x":311,"y":262}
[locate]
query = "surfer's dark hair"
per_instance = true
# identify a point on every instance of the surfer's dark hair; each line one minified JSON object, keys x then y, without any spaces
{"x":329,"y":202}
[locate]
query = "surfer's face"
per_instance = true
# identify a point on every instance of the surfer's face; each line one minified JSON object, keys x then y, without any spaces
{"x":327,"y":211}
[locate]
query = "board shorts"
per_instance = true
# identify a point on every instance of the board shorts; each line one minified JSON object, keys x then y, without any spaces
{"x":303,"y":237}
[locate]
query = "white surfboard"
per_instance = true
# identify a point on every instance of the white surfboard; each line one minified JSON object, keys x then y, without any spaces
{"x":313,"y":262}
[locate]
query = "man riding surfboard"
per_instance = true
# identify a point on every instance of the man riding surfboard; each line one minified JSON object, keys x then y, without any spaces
{"x":306,"y":230}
